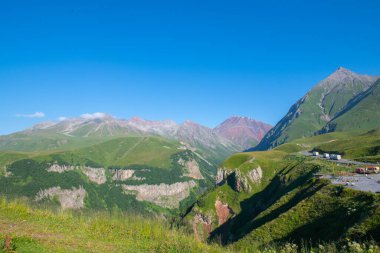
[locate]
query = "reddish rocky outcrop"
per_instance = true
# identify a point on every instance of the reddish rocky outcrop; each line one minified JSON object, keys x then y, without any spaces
{"x":243,"y":131}
{"x":222,"y":211}
{"x":206,"y":226}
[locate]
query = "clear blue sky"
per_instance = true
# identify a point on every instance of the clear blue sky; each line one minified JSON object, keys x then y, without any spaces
{"x":199,"y":60}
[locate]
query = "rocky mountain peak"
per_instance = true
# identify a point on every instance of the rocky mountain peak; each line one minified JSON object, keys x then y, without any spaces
{"x":190,"y":123}
{"x":240,"y":120}
{"x":343,"y":78}
{"x":343,"y":69}
{"x":342,"y":73}
{"x":137,"y":119}
{"x":243,"y":130}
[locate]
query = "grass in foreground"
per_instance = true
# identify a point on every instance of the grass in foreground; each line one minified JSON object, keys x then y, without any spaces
{"x":43,"y":231}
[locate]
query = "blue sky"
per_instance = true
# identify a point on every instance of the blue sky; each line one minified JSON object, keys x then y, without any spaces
{"x":198,"y":60}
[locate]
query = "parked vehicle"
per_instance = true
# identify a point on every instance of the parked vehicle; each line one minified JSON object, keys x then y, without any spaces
{"x":335,"y":157}
{"x":361,"y":170}
{"x":373,"y":169}
{"x":368,"y":170}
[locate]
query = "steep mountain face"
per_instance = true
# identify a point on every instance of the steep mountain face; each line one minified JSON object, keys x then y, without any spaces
{"x":243,"y":131}
{"x":361,"y":113}
{"x":314,"y":110}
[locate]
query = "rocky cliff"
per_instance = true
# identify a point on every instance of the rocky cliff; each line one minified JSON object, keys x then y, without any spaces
{"x":163,"y":194}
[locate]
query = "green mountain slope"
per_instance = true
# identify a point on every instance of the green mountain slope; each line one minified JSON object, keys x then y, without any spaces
{"x":271,"y":197}
{"x":355,"y":145}
{"x":139,"y":174}
{"x":151,"y":151}
{"x":42,"y":141}
{"x":321,"y":104}
{"x":361,"y":114}
{"x":34,"y":230}
{"x":91,"y":129}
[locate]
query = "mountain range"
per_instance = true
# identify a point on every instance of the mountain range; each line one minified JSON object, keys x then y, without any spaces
{"x":281,"y":195}
{"x":233,"y":135}
{"x":98,"y":161}
{"x":249,"y":201}
{"x":343,"y":101}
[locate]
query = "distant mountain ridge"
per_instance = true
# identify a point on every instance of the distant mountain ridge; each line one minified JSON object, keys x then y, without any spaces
{"x":243,"y":131}
{"x":322,"y":104}
{"x":230,"y":137}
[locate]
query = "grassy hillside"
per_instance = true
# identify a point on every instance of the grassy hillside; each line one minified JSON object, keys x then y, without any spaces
{"x":362,"y":147}
{"x":150,"y":162}
{"x":356,"y":145}
{"x":24,"y":142}
{"x":44,"y":231}
{"x":297,"y":219}
{"x":76,"y":133}
{"x":10,"y":157}
{"x":227,"y":194}
{"x":327,"y":100}
{"x":305,"y":118}
{"x":151,"y":151}
{"x":289,"y":204}
{"x":28,"y":177}
{"x":36,"y":230}
{"x":361,"y":114}
{"x":266,"y":202}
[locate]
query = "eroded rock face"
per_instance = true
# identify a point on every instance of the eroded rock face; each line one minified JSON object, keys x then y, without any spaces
{"x":255,"y":175}
{"x":221,"y":175}
{"x":234,"y":178}
{"x":205,"y":230}
{"x":241,"y":182}
{"x":69,"y":199}
{"x":122,"y":175}
{"x":163,"y":194}
{"x":192,"y":167}
{"x":222,"y":211}
{"x":60,"y":168}
{"x":96,"y":175}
